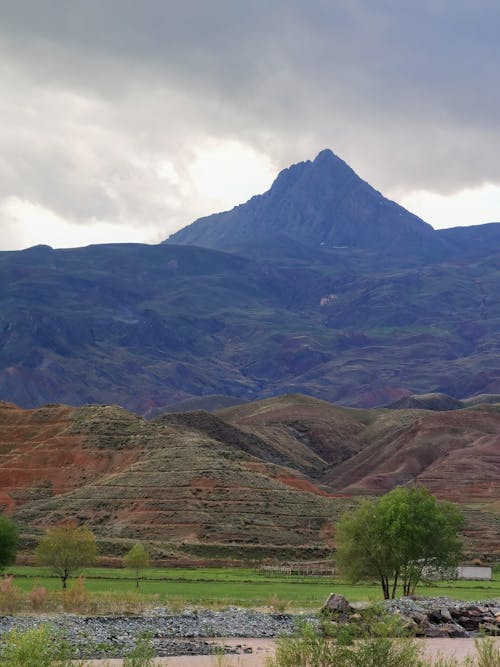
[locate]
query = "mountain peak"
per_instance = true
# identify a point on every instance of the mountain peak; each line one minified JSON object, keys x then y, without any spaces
{"x":320,"y":203}
{"x":327,"y":156}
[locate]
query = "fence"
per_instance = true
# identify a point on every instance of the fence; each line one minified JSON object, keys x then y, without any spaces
{"x":301,"y":569}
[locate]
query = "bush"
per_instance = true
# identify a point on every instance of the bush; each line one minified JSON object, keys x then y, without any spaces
{"x":76,"y":599}
{"x":141,"y":655}
{"x":374,"y":621}
{"x":277,"y":604}
{"x":488,"y":652}
{"x":40,"y":647}
{"x":385,"y":652}
{"x":9,"y":539}
{"x":311,"y":649}
{"x":38,"y":597}
{"x":11,"y":597}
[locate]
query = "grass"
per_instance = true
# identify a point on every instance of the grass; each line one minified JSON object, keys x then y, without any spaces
{"x":240,"y":586}
{"x":38,"y":647}
{"x":311,"y":649}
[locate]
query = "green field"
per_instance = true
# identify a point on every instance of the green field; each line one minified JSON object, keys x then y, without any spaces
{"x":245,"y":587}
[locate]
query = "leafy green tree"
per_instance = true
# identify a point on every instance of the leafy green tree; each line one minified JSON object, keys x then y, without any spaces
{"x":136,"y":559}
{"x":8,"y":542}
{"x":66,"y":550}
{"x":397,"y":538}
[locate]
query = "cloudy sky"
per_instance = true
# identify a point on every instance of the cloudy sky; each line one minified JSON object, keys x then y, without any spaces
{"x":124,"y":120}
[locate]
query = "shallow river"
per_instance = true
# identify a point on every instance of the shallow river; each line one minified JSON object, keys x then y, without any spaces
{"x":261,"y":648}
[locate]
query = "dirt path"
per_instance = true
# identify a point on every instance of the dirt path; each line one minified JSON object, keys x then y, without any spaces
{"x":261,"y":648}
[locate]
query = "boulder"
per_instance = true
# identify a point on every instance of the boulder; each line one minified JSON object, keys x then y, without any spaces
{"x":435,"y":631}
{"x":337,"y":604}
{"x":456,"y":631}
{"x":489,"y":628}
{"x":468,"y":623}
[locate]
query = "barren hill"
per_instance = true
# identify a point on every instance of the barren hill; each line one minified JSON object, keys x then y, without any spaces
{"x":312,"y":434}
{"x":372,"y":451}
{"x":368,"y":452}
{"x":455,"y":454}
{"x":273,"y":474}
{"x":44,"y":454}
{"x":166,"y":481}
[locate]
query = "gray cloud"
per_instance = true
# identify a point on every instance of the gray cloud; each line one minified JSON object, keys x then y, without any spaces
{"x":96,"y":94}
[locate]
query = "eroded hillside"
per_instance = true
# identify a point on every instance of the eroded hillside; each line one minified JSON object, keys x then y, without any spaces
{"x":273,"y":474}
{"x":168,"y":480}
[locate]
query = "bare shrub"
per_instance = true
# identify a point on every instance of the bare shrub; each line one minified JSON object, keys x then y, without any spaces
{"x":76,"y":598}
{"x":38,"y":598}
{"x":11,"y":597}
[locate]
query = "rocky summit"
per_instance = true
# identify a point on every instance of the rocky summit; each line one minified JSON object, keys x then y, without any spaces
{"x":317,"y":204}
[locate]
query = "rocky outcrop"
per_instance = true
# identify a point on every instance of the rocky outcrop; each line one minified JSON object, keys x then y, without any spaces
{"x":442,"y":617}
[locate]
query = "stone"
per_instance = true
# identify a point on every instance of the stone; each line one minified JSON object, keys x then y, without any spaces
{"x":445,"y":615}
{"x":434,"y":616}
{"x":489,"y":628}
{"x":455,"y":612}
{"x":337,"y":604}
{"x":435,"y":631}
{"x":456,"y":631}
{"x":421,"y":619}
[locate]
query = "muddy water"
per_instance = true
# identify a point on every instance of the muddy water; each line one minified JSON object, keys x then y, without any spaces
{"x":261,"y":648}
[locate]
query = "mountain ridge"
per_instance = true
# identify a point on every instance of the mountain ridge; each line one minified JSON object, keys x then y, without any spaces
{"x":149,"y":326}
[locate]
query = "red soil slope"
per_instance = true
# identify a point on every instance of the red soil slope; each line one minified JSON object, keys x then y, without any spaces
{"x":41,"y":454}
{"x":275,"y":472}
{"x":455,"y":454}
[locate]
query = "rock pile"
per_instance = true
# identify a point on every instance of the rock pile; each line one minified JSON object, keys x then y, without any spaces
{"x":429,"y":617}
{"x":443,"y":617}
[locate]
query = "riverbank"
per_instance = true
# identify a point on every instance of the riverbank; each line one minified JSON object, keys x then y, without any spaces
{"x":263,"y":648}
{"x":202,"y":632}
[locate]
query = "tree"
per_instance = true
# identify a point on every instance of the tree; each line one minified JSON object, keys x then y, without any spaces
{"x":398,"y":537}
{"x":8,"y":542}
{"x":136,"y":559}
{"x":66,"y":550}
